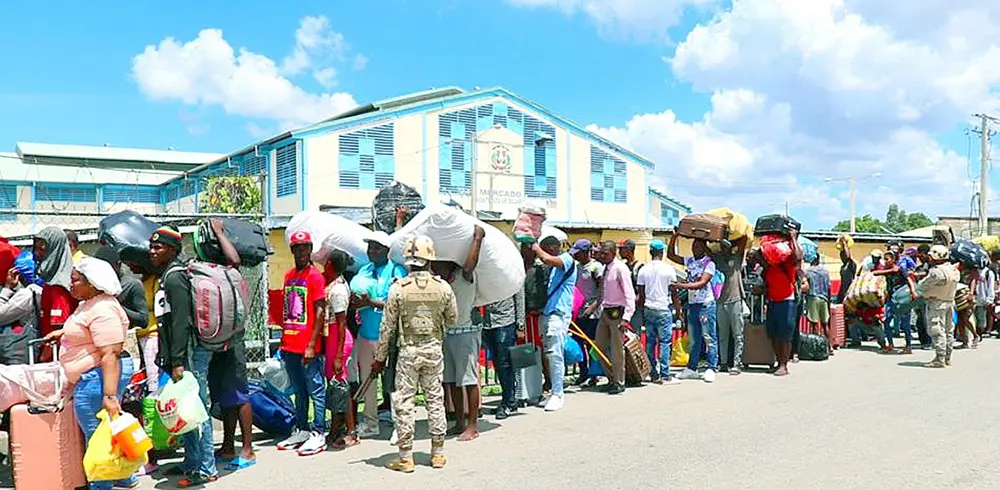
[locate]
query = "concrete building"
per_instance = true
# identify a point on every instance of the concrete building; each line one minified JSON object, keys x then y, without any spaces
{"x":445,"y":143}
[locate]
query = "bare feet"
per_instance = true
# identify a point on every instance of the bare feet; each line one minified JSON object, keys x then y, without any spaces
{"x":469,"y":434}
{"x":345,"y":442}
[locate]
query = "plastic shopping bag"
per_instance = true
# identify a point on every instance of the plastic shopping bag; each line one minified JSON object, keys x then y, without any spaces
{"x":103,"y":461}
{"x":180,"y":406}
{"x":680,"y":351}
{"x":572,"y":352}
{"x":162,"y":440}
{"x":528,"y":226}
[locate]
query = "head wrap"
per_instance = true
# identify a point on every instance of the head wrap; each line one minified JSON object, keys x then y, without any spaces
{"x":100,"y":274}
{"x":167,"y":235}
{"x":25,"y":266}
{"x":57,"y":265}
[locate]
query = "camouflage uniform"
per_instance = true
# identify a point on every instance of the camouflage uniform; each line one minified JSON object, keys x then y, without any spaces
{"x":416,"y":312}
{"x":938,"y":289}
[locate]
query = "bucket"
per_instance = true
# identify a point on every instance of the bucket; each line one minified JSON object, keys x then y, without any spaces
{"x":128,"y":436}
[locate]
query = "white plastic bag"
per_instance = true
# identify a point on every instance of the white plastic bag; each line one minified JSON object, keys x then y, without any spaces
{"x":500,"y":272}
{"x":331,"y":232}
{"x":274,"y":374}
{"x":551,"y":231}
{"x":180,"y":407}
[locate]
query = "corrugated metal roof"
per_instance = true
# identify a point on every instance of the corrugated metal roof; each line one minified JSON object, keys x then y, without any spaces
{"x":866,"y":237}
{"x":13,"y":168}
{"x":50,"y":153}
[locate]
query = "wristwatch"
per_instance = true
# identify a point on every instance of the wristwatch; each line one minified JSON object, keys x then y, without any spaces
{"x":111,"y":397}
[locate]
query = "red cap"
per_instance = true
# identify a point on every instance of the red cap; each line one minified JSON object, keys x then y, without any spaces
{"x":300,"y":237}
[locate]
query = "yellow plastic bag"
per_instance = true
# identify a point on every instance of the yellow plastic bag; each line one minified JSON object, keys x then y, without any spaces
{"x":680,"y":351}
{"x":987,"y":242}
{"x":843,"y":239}
{"x":738,"y":224}
{"x":102,"y":461}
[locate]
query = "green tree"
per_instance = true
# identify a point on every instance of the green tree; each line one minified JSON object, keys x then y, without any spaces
{"x":896,"y":221}
{"x":232,"y":195}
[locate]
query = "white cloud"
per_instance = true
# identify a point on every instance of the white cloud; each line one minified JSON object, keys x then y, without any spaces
{"x":360,"y":62}
{"x":326,"y":77}
{"x":641,"y":19}
{"x":208,"y":71}
{"x":826,"y":88}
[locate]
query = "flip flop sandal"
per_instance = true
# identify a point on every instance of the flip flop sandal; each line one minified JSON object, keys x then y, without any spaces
{"x":195,"y":481}
{"x":240,"y":463}
{"x":174,"y":471}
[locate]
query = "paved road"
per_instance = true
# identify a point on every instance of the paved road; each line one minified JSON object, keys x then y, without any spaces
{"x":858,"y":421}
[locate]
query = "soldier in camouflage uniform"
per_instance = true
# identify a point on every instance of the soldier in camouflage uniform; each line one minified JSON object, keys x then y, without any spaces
{"x":416,"y":312}
{"x":938,"y":290}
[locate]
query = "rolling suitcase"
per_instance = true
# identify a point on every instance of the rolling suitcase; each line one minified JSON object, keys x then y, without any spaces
{"x":775,"y":223}
{"x":757,"y":349}
{"x":528,"y":380}
{"x":703,"y":226}
{"x":838,"y":328}
{"x":46,"y":443}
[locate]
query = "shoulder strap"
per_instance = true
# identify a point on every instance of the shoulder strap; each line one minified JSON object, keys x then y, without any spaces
{"x":559,"y":284}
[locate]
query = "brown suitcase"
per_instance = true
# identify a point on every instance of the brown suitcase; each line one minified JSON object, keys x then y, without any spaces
{"x":703,"y":226}
{"x":757,"y":349}
{"x":637,"y":366}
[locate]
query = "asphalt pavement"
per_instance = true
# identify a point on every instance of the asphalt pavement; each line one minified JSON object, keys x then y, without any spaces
{"x":861,"y":420}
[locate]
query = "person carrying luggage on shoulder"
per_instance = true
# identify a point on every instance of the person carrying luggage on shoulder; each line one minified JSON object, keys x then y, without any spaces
{"x":816,"y":289}
{"x":938,"y":290}
{"x":701,"y":314}
{"x":782,"y":314}
{"x":339,"y":343}
{"x":654,"y":297}
{"x":557,"y":312}
{"x":373,"y":279}
{"x":301,"y":349}
{"x":173,"y":307}
{"x":463,"y":340}
{"x":418,"y":310}
{"x":730,"y":260}
{"x":19,"y":300}
{"x":91,"y":342}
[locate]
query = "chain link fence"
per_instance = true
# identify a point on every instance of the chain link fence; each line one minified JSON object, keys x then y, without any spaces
{"x":19,"y":227}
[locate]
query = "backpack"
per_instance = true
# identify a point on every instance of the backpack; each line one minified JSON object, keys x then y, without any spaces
{"x":219,"y":298}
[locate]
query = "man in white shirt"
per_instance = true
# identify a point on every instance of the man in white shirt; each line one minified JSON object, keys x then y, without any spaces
{"x":653,"y":296}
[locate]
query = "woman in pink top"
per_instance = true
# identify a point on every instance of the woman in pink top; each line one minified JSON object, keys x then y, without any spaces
{"x":339,"y":343}
{"x":91,"y":343}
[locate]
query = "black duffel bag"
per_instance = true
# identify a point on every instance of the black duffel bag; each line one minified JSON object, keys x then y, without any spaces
{"x":128,"y":233}
{"x":388,"y":199}
{"x":249,"y":239}
{"x":813,"y":347}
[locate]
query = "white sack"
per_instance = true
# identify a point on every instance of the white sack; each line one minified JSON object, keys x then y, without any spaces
{"x":552,"y":231}
{"x":331,"y":232}
{"x":500,"y":272}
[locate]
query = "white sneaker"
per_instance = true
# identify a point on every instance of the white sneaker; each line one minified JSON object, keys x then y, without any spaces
{"x":709,"y":376}
{"x":688,"y":374}
{"x":293,"y":441}
{"x":543,"y":401}
{"x":366,"y":431}
{"x":394,"y":439}
{"x":314,"y":445}
{"x":555,"y":403}
{"x":671,"y":381}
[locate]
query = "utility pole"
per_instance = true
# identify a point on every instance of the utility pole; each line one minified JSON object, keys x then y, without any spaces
{"x":984,"y":170}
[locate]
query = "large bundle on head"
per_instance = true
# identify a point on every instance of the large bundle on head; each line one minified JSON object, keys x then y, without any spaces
{"x":990,"y":243}
{"x":128,"y":233}
{"x":330,"y":232}
{"x":528,"y":226}
{"x":391,"y":197}
{"x":737,"y":224}
{"x":249,"y":240}
{"x":969,"y":254}
{"x":500,"y":272}
{"x":866,"y":291}
{"x":810,"y":251}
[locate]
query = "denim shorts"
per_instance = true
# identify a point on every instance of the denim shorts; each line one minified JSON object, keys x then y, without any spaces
{"x":782,"y":317}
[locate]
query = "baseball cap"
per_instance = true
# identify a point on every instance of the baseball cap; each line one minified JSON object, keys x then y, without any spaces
{"x":381,"y":238}
{"x":626,"y":243}
{"x":299,"y":238}
{"x":581,"y":245}
{"x":657,"y":245}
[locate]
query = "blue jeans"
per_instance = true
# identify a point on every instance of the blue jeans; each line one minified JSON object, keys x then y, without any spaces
{"x":309,"y":384}
{"x":88,"y":399}
{"x":554,"y":331}
{"x":659,"y":330}
{"x":199,"y":452}
{"x":498,"y":341}
{"x":899,"y":318}
{"x":704,"y":335}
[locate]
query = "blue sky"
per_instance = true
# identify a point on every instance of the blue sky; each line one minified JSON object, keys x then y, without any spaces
{"x":646,"y":73}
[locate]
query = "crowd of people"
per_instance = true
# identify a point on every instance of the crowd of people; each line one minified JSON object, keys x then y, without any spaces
{"x":414,"y":327}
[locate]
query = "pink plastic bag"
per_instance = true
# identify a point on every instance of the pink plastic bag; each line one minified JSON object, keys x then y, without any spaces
{"x":528,"y":226}
{"x":331,"y":346}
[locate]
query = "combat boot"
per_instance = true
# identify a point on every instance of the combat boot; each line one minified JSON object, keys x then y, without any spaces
{"x":403,"y":465}
{"x":438,"y":461}
{"x":947,"y":361}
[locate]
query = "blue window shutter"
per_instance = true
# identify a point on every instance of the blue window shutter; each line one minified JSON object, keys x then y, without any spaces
{"x":367,"y":158}
{"x":66,"y":193}
{"x":608,"y":177}
{"x":8,"y":200}
{"x":287,"y":170}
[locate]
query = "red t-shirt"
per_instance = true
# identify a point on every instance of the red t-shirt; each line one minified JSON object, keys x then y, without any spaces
{"x":780,"y":281}
{"x":56,"y":306}
{"x":302,"y":290}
